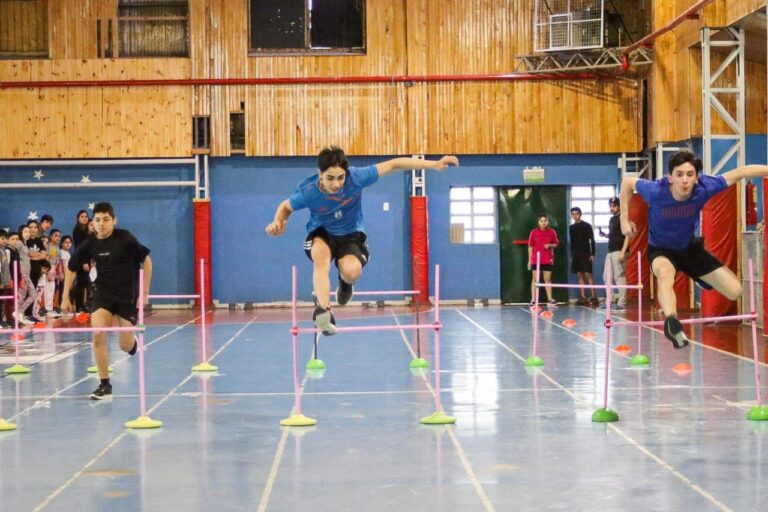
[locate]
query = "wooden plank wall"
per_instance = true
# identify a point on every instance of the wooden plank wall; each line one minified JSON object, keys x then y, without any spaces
{"x":675,"y":103}
{"x":414,"y":37}
{"x":23,"y":27}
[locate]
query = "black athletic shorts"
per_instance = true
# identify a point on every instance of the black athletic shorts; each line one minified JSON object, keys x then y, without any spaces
{"x":353,"y":243}
{"x":545,"y":267}
{"x":693,"y":261}
{"x":580,"y":263}
{"x":120,"y":306}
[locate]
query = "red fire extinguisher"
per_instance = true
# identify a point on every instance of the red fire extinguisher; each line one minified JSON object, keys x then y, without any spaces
{"x":751,"y":203}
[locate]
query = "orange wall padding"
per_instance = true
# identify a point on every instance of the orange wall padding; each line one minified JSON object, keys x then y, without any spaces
{"x":638,"y":213}
{"x":202,"y":237}
{"x":420,"y":247}
{"x":719,"y":227}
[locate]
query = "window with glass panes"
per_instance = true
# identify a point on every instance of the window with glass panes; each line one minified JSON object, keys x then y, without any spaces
{"x":593,"y":201}
{"x":473,"y":215}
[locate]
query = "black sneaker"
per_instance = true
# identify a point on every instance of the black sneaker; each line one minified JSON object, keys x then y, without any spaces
{"x":344,"y":292}
{"x":102,"y":392}
{"x":324,"y":320}
{"x":673,"y":330}
{"x":135,"y":346}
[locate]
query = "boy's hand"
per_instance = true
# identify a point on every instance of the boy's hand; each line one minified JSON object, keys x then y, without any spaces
{"x":446,"y":161}
{"x":65,"y":305}
{"x":628,"y":228}
{"x":276,"y":228}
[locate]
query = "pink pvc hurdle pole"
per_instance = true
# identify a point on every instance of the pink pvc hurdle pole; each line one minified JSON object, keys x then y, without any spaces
{"x":754,"y":334}
{"x":142,"y":390}
{"x":607,"y":359}
{"x":535,"y":308}
{"x":438,"y":401}
{"x":295,"y":337}
{"x":639,"y":303}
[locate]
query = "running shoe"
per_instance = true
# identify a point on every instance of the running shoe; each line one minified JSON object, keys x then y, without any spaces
{"x":673,"y":330}
{"x":102,"y":392}
{"x":344,"y":292}
{"x":324,"y":320}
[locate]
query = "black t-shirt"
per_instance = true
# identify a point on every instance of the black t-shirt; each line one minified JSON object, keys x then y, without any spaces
{"x":117,"y":260}
{"x":36,"y":266}
{"x":582,"y":238}
{"x":615,"y":238}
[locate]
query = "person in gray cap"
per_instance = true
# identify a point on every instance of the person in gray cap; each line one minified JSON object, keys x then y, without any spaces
{"x":617,"y":251}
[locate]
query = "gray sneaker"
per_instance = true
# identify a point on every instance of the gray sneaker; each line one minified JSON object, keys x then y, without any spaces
{"x":324,"y":320}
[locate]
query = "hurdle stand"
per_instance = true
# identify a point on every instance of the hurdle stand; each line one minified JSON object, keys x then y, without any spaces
{"x":143,"y":421}
{"x":639,"y":359}
{"x":297,"y":419}
{"x":18,"y":334}
{"x":417,"y":363}
{"x":534,"y":360}
{"x":760,"y":411}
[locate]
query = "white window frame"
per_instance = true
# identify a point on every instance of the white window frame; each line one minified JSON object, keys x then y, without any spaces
{"x":463,"y":205}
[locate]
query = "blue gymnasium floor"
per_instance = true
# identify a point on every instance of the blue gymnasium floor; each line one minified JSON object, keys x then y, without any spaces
{"x":523,"y":441}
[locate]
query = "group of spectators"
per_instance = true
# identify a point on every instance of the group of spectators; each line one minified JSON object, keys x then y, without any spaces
{"x":37,"y":254}
{"x":543,"y":240}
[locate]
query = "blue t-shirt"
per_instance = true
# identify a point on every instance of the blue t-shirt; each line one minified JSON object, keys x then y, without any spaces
{"x":673,"y":223}
{"x":340,"y":213}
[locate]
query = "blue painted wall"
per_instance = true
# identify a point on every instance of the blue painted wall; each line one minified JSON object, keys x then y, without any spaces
{"x":249,"y":265}
{"x":161,"y":218}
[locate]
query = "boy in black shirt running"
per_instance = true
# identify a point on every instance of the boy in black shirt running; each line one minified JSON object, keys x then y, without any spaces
{"x":118,"y":257}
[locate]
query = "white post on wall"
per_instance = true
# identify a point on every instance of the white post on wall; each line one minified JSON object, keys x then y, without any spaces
{"x":418,"y":180}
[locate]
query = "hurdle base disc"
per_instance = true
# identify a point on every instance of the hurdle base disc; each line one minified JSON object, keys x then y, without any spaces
{"x":298,"y":420}
{"x":315,"y":364}
{"x":534,"y":361}
{"x":5,"y":426}
{"x":17,"y":369}
{"x":758,"y":413}
{"x":143,"y":422}
{"x":639,"y":360}
{"x":94,"y":369}
{"x":437,"y":418}
{"x":418,"y":362}
{"x":605,"y":416}
{"x":205,"y":367}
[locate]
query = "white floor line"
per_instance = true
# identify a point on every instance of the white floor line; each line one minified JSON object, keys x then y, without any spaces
{"x":452,"y":434}
{"x":661,"y":462}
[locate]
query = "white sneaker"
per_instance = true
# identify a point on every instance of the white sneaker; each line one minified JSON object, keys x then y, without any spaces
{"x":22,"y":319}
{"x":52,"y":314}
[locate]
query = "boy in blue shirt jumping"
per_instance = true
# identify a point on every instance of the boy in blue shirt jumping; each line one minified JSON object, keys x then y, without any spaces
{"x":674,"y":205}
{"x":335,"y":228}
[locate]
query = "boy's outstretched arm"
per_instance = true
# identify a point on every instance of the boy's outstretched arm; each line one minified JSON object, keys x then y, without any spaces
{"x":746,"y":172}
{"x":277,"y":226}
{"x":407,"y":164}
{"x":627,"y":188}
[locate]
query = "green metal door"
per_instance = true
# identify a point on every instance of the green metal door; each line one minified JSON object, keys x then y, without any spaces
{"x":518,"y":210}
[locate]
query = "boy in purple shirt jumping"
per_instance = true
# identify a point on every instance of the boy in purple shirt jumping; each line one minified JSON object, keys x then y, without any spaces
{"x":335,"y":228}
{"x":674,"y":205}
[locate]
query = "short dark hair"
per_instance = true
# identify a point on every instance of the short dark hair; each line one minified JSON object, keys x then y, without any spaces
{"x":65,"y":238}
{"x":47,"y":217}
{"x":54,"y":230}
{"x":332,"y":156}
{"x":682,"y":157}
{"x":104,"y":207}
{"x":542,"y":215}
{"x":32,"y":221}
{"x":3,"y":233}
{"x":576,"y":209}
{"x":45,"y":264}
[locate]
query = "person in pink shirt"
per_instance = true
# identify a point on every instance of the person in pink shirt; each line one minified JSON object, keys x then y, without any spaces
{"x":543,"y":241}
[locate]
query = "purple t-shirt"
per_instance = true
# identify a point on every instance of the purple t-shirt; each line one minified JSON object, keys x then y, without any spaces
{"x":673,"y":223}
{"x":340,"y":213}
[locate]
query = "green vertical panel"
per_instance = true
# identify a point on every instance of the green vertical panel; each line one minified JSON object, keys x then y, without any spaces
{"x":518,"y":210}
